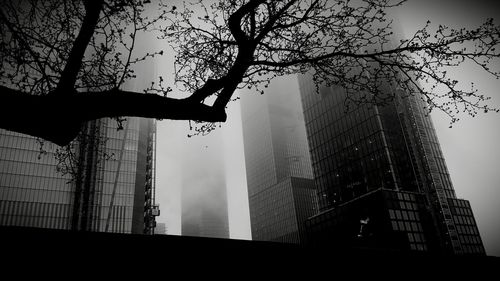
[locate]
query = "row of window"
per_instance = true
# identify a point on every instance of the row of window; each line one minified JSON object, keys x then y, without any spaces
{"x":470,"y":239}
{"x":434,"y":156}
{"x":119,"y":211}
{"x":35,"y":182}
{"x":356,"y":179}
{"x":262,"y":181}
{"x":342,"y":164}
{"x":308,"y":91}
{"x":465,"y":220}
{"x":113,"y":155}
{"x":272,"y":200}
{"x":459,"y":203}
{"x":125,"y":166}
{"x":259,"y":159}
{"x":461,"y":211}
{"x":272,"y":212}
{"x":113,"y":134}
{"x":298,"y":157}
{"x":469,"y":229}
{"x":331,"y":98}
{"x":4,"y":132}
{"x":416,"y":237}
{"x":347,"y":146}
{"x":334,"y":127}
{"x":442,"y":181}
{"x":24,"y":142}
{"x":438,"y":156}
{"x":405,"y":205}
{"x":26,"y":155}
{"x":34,"y":209}
{"x":35,"y":195}
{"x":125,"y":188}
{"x":404,"y":215}
{"x":473,"y":249}
{"x":272,"y":229}
{"x":287,"y":223}
{"x":117,"y":144}
{"x":39,"y":180}
{"x":402,"y":205}
{"x":29,"y":169}
{"x":31,"y":221}
{"x":123,"y":177}
{"x":449,"y":193}
{"x":418,"y":247}
{"x":123,"y":195}
{"x":116,"y":226}
{"x":403,"y":196}
{"x":407,"y":226}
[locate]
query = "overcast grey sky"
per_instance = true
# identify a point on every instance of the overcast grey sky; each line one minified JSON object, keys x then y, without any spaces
{"x":471,"y":147}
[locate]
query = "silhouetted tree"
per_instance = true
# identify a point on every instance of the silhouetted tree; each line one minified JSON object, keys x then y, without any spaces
{"x":64,"y":62}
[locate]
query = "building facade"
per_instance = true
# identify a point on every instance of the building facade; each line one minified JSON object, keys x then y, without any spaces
{"x":381,"y":177}
{"x":110,"y":188}
{"x":32,"y":192}
{"x":279,"y":175}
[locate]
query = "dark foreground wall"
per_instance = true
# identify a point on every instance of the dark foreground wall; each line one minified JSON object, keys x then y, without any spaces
{"x":53,"y":251}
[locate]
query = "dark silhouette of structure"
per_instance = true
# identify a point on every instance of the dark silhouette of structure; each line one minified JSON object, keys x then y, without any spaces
{"x":42,"y":248}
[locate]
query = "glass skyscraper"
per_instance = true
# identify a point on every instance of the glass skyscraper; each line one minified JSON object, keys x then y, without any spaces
{"x":32,"y":192}
{"x":381,"y":177}
{"x":111,"y":189}
{"x":279,"y":175}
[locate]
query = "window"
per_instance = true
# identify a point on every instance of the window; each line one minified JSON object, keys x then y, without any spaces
{"x":395,"y":225}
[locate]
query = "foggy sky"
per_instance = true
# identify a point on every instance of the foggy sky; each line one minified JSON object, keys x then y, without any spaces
{"x":470,"y":148}
{"x":204,"y":199}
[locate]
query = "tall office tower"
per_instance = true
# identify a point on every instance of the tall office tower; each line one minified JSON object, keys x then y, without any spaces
{"x":114,"y":170}
{"x":116,"y":188}
{"x":204,"y":196}
{"x":279,"y":175}
{"x":381,"y":177}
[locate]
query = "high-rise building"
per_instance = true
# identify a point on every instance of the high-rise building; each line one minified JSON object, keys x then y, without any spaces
{"x":381,"y":177}
{"x":204,"y":195}
{"x":113,"y":170}
{"x":110,"y":184}
{"x":279,"y":175}
{"x":123,"y":184}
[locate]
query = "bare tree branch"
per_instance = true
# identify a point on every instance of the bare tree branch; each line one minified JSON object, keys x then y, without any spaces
{"x":85,"y":50}
{"x":74,"y":61}
{"x":58,"y":118}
